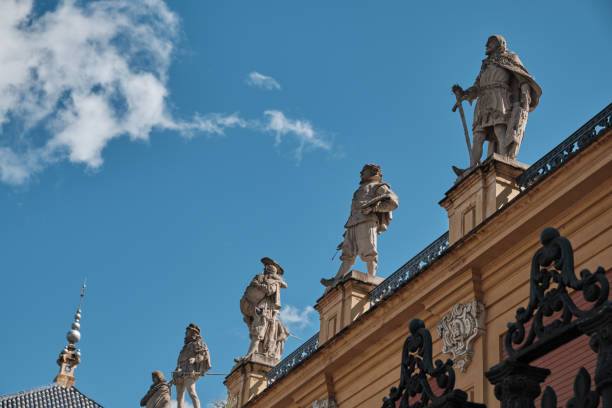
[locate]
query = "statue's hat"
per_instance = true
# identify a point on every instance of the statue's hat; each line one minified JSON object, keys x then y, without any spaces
{"x":270,"y":261}
{"x":194,"y":327}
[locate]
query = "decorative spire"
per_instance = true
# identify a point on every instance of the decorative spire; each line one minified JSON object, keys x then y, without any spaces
{"x":70,"y":357}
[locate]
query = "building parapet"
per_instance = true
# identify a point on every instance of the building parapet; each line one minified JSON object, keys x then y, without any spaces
{"x":591,"y":131}
{"x":409,"y":269}
{"x":296,"y":357}
{"x":587,"y":134}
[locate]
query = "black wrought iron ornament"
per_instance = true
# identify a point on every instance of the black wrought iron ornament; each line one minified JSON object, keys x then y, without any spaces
{"x":545,"y":300}
{"x":556,"y":320}
{"x":417,"y":369}
{"x":583,"y":396}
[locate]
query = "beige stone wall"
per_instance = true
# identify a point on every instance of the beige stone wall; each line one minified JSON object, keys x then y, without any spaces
{"x":491,"y":264}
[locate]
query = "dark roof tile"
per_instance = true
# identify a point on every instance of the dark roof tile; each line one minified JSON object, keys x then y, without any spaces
{"x":48,"y":396}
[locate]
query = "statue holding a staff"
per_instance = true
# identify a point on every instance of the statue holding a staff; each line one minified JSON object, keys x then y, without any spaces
{"x":505,"y":93}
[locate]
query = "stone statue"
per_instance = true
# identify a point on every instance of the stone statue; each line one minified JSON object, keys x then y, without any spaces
{"x":370,"y":215}
{"x":159,"y":394}
{"x":193,"y":363}
{"x":260,"y":306}
{"x":505,"y":94}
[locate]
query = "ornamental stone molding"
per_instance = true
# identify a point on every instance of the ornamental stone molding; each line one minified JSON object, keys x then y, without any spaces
{"x":458,"y":328}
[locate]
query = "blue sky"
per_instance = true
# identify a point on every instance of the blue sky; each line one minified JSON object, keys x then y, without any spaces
{"x":161,"y":149}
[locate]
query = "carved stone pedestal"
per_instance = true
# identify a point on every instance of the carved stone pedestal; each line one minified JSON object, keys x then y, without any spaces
{"x":68,"y":361}
{"x":479,"y":192}
{"x":247,"y":379}
{"x":344,"y":303}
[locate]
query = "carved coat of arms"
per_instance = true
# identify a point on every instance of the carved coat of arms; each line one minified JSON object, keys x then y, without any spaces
{"x":459,"y":328}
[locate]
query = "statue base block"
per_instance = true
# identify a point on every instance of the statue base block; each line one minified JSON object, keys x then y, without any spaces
{"x":344,"y":303}
{"x":247,"y":379}
{"x":479,"y":192}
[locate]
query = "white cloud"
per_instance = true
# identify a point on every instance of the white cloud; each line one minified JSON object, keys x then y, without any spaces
{"x":293,"y":316}
{"x":257,"y":80}
{"x":85,"y":73}
{"x":303,"y":131}
{"x":187,"y":403}
{"x":77,"y":73}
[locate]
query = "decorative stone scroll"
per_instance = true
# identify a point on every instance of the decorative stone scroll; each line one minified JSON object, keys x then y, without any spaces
{"x":459,"y":328}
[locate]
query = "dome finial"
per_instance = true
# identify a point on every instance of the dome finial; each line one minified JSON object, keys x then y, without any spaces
{"x":70,"y":356}
{"x":74,"y":335}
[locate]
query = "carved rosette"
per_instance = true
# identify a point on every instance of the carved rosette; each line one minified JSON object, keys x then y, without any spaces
{"x":459,"y":328}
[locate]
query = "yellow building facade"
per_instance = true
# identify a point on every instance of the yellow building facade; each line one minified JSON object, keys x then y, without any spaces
{"x":496,"y":213}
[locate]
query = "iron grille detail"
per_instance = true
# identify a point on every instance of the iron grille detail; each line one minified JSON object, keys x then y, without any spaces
{"x":297,"y":356}
{"x":587,"y":134}
{"x":409,"y":269}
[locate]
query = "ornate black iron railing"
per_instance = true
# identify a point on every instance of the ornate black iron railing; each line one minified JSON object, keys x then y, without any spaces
{"x":409,"y":269}
{"x":587,"y":134}
{"x":293,"y":359}
{"x":552,"y":319}
{"x":418,"y":373}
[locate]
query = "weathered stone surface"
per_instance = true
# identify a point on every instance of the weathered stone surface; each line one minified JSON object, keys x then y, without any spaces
{"x":260,"y":306}
{"x":344,"y":303}
{"x":247,"y":379}
{"x":193,"y":363}
{"x":158,"y":395}
{"x":479,"y":193}
{"x":370,"y":215}
{"x":458,"y":328}
{"x":505,"y":93}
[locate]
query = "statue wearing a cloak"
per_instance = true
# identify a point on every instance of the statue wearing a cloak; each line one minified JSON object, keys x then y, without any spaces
{"x":505,"y":94}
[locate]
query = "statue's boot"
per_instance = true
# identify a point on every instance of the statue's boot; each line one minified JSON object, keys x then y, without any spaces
{"x":372,"y":265}
{"x":344,"y":268}
{"x":329,"y":282}
{"x":459,"y":172}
